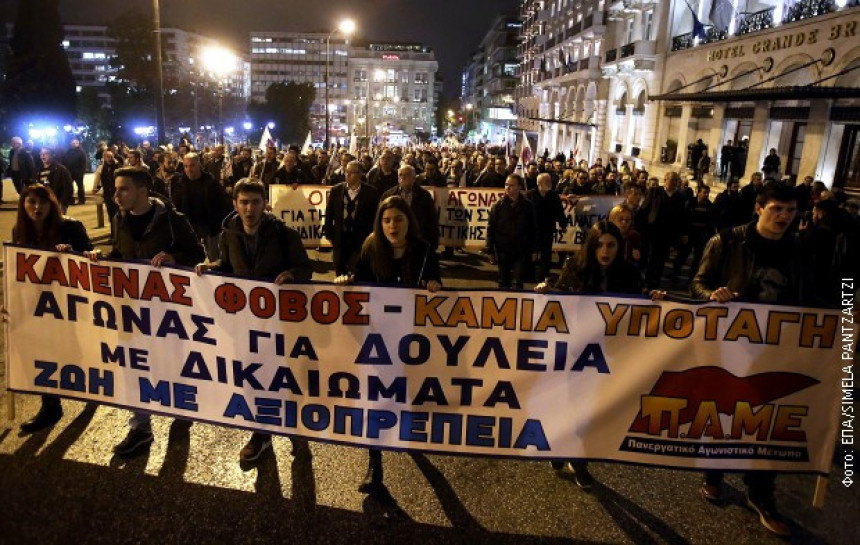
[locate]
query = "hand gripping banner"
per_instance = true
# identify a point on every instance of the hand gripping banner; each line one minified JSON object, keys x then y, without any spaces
{"x":487,"y":373}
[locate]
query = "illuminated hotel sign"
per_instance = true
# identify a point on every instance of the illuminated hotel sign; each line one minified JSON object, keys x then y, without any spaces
{"x":786,"y":40}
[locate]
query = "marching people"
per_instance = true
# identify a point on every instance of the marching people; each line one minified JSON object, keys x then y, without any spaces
{"x":255,"y":244}
{"x":631,"y":247}
{"x":147,"y":229}
{"x":349,"y":217}
{"x":756,"y":262}
{"x":394,"y":254}
{"x":40,"y":224}
{"x":665,"y":223}
{"x":599,"y":267}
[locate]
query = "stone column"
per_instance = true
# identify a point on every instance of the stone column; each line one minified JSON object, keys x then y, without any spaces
{"x":758,"y":139}
{"x":683,"y":134}
{"x":811,"y":156}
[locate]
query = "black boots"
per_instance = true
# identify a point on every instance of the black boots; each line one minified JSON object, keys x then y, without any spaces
{"x":373,"y":480}
{"x":48,"y":415}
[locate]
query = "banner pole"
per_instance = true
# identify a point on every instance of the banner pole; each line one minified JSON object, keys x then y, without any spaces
{"x":820,"y":492}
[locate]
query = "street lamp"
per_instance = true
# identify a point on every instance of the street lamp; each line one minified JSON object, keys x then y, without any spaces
{"x":159,"y":77}
{"x":346,"y":27}
{"x":220,"y":62}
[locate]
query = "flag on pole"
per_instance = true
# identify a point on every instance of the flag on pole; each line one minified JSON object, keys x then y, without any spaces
{"x":525,"y":151}
{"x":721,"y":14}
{"x":353,"y":144}
{"x":698,"y":27}
{"x":266,"y":141}
{"x":306,"y":148}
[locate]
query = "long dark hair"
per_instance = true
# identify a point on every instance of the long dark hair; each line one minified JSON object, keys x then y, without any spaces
{"x":24,"y":231}
{"x":589,"y":271}
{"x":376,"y":249}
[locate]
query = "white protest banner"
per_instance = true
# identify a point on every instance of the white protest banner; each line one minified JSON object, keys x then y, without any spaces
{"x":463,"y":214}
{"x":474,"y":372}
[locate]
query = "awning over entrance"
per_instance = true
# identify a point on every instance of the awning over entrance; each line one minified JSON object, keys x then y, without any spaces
{"x":564,"y":122}
{"x":804,"y":92}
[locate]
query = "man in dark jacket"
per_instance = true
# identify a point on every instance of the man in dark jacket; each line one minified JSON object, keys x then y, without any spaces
{"x":728,"y":206}
{"x":75,"y":159}
{"x":432,"y":177}
{"x":759,"y":261}
{"x":269,"y":169}
{"x":349,"y":217}
{"x":664,"y":214}
{"x":255,"y":244}
{"x":57,"y":177}
{"x":550,"y":212}
{"x":203,"y":200}
{"x":20,"y":167}
{"x":512,"y":235}
{"x":147,"y":229}
{"x":384,"y":175}
{"x":420,"y":201}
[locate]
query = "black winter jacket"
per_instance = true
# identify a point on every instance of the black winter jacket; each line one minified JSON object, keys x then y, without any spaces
{"x":279,"y":249}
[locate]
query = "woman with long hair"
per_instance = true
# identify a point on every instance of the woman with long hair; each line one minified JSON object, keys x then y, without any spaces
{"x":394,"y":254}
{"x":40,"y":224}
{"x":599,"y":267}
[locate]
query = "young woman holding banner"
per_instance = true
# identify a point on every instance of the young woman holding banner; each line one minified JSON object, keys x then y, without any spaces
{"x":394,"y":254}
{"x":40,"y":224}
{"x":598,"y":268}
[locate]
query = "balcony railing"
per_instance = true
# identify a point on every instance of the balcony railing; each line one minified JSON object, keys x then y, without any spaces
{"x":747,"y":23}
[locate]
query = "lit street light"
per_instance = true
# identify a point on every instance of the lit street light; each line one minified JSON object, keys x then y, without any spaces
{"x":346,"y":27}
{"x":220,"y":62}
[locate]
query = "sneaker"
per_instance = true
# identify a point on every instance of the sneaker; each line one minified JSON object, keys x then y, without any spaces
{"x":557,"y":465}
{"x":768,"y":515}
{"x":711,"y":492}
{"x":255,"y":447}
{"x":134,"y":441}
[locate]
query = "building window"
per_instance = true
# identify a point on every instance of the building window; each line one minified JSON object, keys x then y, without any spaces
{"x":649,"y":25}
{"x":629,"y":32}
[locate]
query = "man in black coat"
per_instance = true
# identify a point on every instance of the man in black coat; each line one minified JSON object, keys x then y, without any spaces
{"x":349,"y":218}
{"x":550,"y":212}
{"x":203,"y":200}
{"x":20,"y":167}
{"x":256,"y":244}
{"x":57,"y":177}
{"x":664,"y":212}
{"x":512,"y":235}
{"x":420,"y":201}
{"x":383,"y":176}
{"x":75,"y":159}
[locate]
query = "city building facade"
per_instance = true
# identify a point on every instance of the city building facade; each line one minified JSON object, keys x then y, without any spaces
{"x":304,"y":57}
{"x":392,"y":91}
{"x":490,"y":81}
{"x":780,"y":75}
{"x":642,"y":81}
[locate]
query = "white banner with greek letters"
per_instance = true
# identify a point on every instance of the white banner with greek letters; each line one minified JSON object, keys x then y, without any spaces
{"x":467,"y":372}
{"x":463,"y":214}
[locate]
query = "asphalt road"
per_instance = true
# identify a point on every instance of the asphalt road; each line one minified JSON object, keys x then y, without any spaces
{"x":64,"y":486}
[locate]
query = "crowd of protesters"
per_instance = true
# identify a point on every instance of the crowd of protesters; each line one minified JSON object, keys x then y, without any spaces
{"x":760,"y":239}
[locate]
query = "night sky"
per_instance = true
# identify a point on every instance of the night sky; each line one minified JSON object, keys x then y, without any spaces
{"x":453,"y":28}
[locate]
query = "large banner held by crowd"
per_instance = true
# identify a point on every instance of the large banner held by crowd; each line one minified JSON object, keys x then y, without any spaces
{"x":463,"y":214}
{"x":485,"y":373}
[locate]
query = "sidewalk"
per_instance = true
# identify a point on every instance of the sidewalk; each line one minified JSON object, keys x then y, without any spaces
{"x":87,"y":213}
